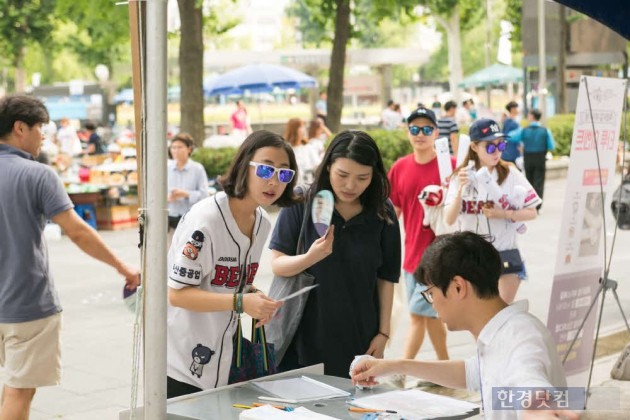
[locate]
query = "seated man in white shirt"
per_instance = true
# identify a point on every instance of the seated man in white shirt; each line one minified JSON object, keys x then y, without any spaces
{"x":514,"y":349}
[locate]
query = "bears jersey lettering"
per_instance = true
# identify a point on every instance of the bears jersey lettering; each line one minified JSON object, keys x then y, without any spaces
{"x":210,"y":253}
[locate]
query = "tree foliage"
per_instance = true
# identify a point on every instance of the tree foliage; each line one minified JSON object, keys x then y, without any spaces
{"x":103,"y":30}
{"x":23,"y":22}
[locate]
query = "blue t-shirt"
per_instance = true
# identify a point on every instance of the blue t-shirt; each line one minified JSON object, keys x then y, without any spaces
{"x":30,"y":194}
{"x":341,"y":316}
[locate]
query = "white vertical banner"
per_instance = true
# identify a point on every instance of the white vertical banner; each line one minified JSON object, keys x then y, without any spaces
{"x":580,"y":257}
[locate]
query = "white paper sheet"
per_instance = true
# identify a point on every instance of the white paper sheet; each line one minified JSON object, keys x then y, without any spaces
{"x":298,"y":293}
{"x":267,"y":412}
{"x":414,"y":404}
{"x":298,"y":390}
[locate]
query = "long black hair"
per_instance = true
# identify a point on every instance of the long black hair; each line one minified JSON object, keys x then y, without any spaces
{"x":361,"y":148}
{"x":234,"y":182}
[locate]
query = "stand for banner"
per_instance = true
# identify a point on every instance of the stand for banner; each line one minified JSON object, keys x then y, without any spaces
{"x":605,"y":284}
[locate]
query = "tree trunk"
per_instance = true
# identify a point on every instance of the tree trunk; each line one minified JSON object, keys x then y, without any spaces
{"x":191,"y":70}
{"x":20,"y":73}
{"x":338,"y":65}
{"x":454,"y":42}
{"x":562,"y":61}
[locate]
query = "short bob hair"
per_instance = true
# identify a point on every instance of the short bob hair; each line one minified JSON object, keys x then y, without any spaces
{"x":185,"y":138}
{"x":27,"y":109}
{"x":234,"y":182}
{"x":465,"y":254}
{"x":361,"y":148}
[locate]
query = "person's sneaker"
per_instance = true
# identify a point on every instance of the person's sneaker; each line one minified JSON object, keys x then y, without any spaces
{"x":398,"y":381}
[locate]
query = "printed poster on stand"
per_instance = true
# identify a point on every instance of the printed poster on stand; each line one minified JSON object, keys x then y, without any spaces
{"x":580,"y":257}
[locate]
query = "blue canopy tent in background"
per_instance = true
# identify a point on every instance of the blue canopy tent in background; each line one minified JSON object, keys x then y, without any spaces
{"x":259,"y":78}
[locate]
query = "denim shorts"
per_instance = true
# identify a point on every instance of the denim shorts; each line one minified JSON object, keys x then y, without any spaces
{"x":417,"y":304}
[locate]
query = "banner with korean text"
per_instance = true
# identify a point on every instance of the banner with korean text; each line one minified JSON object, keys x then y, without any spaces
{"x":580,"y":258}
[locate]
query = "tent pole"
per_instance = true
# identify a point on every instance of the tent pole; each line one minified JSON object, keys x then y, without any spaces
{"x":155,"y":282}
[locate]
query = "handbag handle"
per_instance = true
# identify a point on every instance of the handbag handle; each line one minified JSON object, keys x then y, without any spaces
{"x":299,"y":249}
{"x":258,"y":336}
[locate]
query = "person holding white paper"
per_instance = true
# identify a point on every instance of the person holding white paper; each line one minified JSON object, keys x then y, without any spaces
{"x":514,"y":349}
{"x":213,"y":260}
{"x":355,"y":263}
{"x":471,"y":204}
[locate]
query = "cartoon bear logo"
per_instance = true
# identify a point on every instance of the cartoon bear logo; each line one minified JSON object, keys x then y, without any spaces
{"x":201,"y":355}
{"x":193,"y":246}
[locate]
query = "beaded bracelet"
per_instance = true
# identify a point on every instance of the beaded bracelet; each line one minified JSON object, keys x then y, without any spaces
{"x":384,"y":335}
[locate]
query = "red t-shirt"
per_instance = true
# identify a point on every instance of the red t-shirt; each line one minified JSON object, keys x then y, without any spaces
{"x":408,"y":178}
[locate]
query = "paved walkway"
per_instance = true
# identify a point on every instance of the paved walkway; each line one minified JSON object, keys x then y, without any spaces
{"x":97,"y":335}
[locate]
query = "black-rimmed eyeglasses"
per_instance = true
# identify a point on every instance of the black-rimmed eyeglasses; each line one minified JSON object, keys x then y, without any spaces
{"x":427,"y":295}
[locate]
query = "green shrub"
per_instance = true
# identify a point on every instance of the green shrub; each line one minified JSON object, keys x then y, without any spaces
{"x":392,"y":144}
{"x":215,"y":161}
{"x":561,"y":127}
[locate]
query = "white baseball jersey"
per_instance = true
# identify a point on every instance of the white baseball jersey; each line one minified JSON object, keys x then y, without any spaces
{"x":471,"y":217}
{"x":209,"y":252}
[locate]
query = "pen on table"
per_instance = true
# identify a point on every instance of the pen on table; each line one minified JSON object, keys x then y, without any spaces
{"x":369,"y":410}
{"x":241,"y":406}
{"x":279,"y":407}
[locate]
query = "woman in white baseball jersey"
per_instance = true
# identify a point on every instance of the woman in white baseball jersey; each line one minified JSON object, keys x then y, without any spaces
{"x":213,"y":260}
{"x":472,"y":203}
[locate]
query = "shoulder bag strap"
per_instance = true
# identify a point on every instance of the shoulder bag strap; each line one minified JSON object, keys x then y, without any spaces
{"x":299,"y":249}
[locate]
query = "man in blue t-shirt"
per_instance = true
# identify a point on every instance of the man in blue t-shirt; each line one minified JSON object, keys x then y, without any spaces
{"x":537,"y":141}
{"x":30,"y":319}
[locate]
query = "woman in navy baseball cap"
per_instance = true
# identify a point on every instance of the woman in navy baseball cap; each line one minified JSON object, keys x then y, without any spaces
{"x":492,"y":197}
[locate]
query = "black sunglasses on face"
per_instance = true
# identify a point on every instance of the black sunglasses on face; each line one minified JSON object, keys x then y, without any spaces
{"x":427,"y":130}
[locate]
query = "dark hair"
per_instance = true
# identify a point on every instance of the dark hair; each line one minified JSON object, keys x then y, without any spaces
{"x":536,"y":114}
{"x":390,"y":102}
{"x":361,"y":148}
{"x":503,"y":168}
{"x":234,"y":182}
{"x":27,"y":109}
{"x":450,"y":105}
{"x":90,"y":126}
{"x":511,"y":105}
{"x":185,"y":138}
{"x":465,"y":254}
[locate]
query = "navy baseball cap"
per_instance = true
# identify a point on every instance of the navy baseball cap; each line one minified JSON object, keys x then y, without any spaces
{"x":423,"y":113}
{"x":485,"y":129}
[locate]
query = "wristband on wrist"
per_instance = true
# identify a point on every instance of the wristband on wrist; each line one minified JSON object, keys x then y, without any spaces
{"x":234,"y":302}
{"x":239,"y":303}
{"x":383,"y":334}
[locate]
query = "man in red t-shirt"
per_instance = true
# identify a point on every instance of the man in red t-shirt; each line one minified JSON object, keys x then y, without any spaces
{"x":408,"y":176}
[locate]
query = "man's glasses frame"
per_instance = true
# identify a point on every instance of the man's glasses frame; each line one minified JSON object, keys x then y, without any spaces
{"x":264,"y":171}
{"x":427,"y":130}
{"x":428,"y":296}
{"x":500,"y":146}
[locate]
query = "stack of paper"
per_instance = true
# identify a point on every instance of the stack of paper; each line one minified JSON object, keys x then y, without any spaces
{"x":298,"y":390}
{"x":267,"y":412}
{"x":414,"y":404}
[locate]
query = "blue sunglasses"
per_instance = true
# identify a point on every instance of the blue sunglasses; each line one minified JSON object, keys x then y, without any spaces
{"x":427,"y":130}
{"x":491,"y":147}
{"x":266,"y":172}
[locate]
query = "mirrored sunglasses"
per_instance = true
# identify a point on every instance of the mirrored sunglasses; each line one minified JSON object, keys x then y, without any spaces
{"x":263,"y":171}
{"x":427,"y":130}
{"x":491,"y":147}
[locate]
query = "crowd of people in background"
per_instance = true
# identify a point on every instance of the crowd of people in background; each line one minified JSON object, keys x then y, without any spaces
{"x":217,"y":242}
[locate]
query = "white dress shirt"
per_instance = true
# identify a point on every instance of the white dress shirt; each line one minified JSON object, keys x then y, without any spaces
{"x":514,"y":349}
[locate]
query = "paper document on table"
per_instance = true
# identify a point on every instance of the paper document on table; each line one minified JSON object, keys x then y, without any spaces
{"x":298,"y":390}
{"x":298,"y":293}
{"x":414,"y":404}
{"x":267,"y":412}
